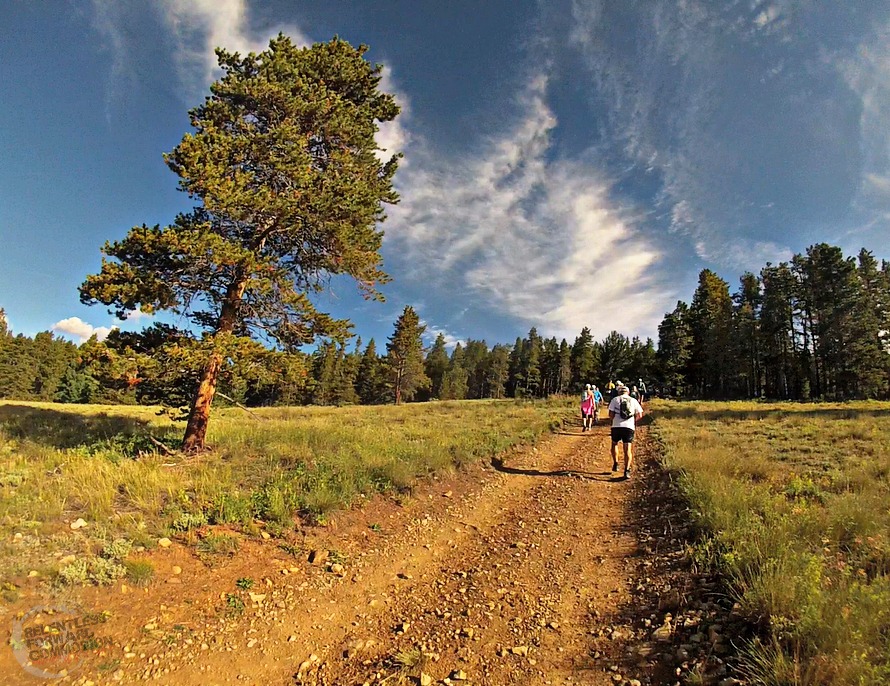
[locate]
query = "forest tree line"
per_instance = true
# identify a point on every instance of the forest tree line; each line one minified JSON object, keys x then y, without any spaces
{"x":815,"y":327}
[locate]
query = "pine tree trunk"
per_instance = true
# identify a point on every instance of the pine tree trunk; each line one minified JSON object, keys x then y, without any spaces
{"x":199,"y":415}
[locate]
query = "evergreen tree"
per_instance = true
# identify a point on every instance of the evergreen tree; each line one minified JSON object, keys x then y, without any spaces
{"x":872,"y":319}
{"x":325,"y":371}
{"x":283,"y":164}
{"x":514,"y":384}
{"x":564,"y":379}
{"x":583,"y":359}
{"x":475,"y":363}
{"x":436,"y":364}
{"x":347,"y":372}
{"x":531,"y":364}
{"x":498,"y":371}
{"x":404,"y":357}
{"x":675,"y":349}
{"x":454,"y":382}
{"x":52,"y":358}
{"x":615,"y":358}
{"x":777,"y":330}
{"x":710,"y":317}
{"x":549,"y":366}
{"x":746,"y":337}
{"x":75,"y":387}
{"x":370,"y":384}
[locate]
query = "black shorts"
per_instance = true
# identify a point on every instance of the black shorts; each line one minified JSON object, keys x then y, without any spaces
{"x":586,"y":415}
{"x":622,"y":433}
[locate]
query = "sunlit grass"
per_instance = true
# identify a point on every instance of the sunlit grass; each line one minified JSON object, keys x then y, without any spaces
{"x":796,"y":501}
{"x":62,"y":462}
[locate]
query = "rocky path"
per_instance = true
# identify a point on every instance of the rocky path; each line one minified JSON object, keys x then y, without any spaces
{"x":539,"y":569}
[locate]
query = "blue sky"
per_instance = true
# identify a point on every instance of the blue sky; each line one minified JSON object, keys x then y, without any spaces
{"x":567,"y":163}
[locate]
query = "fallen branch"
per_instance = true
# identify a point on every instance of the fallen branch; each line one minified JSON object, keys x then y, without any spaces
{"x":163,"y":448}
{"x":247,"y":410}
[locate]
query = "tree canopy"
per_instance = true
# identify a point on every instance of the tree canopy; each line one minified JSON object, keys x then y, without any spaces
{"x":284,"y":166}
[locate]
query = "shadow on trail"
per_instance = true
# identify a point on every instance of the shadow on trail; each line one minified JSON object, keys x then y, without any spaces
{"x":498,"y":464}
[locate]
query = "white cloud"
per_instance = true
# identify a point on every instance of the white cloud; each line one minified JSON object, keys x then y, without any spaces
{"x":537,"y":238}
{"x":393,"y":136}
{"x":198,"y":27}
{"x":868,"y":76}
{"x":663,"y":99}
{"x":432,"y":332}
{"x":136,"y":315}
{"x":77,"y":328}
{"x":201,"y":26}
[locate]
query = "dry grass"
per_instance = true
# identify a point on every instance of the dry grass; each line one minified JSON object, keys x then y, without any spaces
{"x":796,"y":499}
{"x":62,"y":462}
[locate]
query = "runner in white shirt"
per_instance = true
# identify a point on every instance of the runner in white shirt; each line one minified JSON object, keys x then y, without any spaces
{"x":624,"y":412}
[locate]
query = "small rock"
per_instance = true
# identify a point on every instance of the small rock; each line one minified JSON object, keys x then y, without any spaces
{"x":265,"y":536}
{"x":251,"y":643}
{"x":177,"y":569}
{"x":78,"y":524}
{"x":291,"y":638}
{"x":425,"y":679}
{"x":459,"y":675}
{"x":257,"y":597}
{"x":519,"y":650}
{"x":164,"y":543}
{"x":33,"y":573}
{"x":617,"y":678}
{"x":663,"y":633}
{"x":669,"y":602}
{"x":18,"y":537}
{"x":317,"y":557}
{"x":338,"y":569}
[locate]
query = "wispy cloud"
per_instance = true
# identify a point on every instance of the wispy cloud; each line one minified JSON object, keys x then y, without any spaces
{"x":868,"y":75}
{"x":531,"y":236}
{"x":81,"y":330}
{"x":432,"y":332}
{"x":732,"y":111}
{"x":197,"y":27}
{"x":200,"y":26}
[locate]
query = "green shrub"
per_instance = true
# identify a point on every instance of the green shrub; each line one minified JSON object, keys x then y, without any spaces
{"x":96,"y":570}
{"x":188,"y":521}
{"x":117,"y":549}
{"x":140,"y":572}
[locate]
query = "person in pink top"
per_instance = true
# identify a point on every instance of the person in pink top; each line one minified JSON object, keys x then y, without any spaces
{"x":588,"y":405}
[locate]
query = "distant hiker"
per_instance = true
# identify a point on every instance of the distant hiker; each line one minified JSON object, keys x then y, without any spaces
{"x":643,"y":391}
{"x":624,"y":412}
{"x":610,"y":386}
{"x":587,"y":408}
{"x":635,"y":394}
{"x":616,"y":390}
{"x":597,"y":400}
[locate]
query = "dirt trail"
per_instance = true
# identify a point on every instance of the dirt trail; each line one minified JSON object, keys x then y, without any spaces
{"x":523,"y":572}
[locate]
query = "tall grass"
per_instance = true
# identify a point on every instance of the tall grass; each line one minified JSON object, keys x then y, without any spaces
{"x":61,"y":462}
{"x":796,"y":503}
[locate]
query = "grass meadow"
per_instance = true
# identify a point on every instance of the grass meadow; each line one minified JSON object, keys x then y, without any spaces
{"x":269,"y":469}
{"x":794,"y":502}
